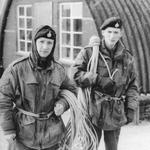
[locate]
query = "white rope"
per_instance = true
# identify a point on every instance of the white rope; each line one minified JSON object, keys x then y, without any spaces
{"x":108,"y":69}
{"x":84,"y":96}
{"x":80,"y":132}
{"x":83,"y":134}
{"x":92,"y":65}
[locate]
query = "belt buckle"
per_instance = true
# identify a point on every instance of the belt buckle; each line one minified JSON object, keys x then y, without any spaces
{"x":42,"y":116}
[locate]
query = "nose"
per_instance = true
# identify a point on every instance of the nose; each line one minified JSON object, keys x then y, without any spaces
{"x":111,"y":35}
{"x":45,"y":45}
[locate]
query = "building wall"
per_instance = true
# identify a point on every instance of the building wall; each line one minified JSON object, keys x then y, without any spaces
{"x":10,"y":41}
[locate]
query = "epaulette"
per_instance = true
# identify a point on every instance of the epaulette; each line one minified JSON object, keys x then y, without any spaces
{"x":128,"y":51}
{"x":19,"y":60}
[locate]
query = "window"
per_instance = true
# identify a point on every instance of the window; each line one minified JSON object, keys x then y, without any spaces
{"x":24,"y":22}
{"x":70,"y":30}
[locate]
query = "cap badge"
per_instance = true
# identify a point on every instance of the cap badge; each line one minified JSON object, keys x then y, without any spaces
{"x":117,"y":25}
{"x":49,"y":34}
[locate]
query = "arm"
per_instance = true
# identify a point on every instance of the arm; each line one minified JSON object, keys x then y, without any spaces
{"x":7,"y":95}
{"x":79,"y":69}
{"x":62,"y":104}
{"x":132,"y":92}
{"x":132,"y":95}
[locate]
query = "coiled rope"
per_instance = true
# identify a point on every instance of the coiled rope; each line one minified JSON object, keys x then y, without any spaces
{"x":80,"y":134}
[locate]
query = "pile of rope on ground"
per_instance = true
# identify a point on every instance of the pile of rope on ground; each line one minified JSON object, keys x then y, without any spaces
{"x":80,"y":134}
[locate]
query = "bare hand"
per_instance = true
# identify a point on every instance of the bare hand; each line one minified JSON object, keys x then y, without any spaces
{"x":59,"y":109}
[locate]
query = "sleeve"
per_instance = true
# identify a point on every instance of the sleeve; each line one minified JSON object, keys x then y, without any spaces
{"x":79,"y":70}
{"x":7,"y":95}
{"x":132,"y":93}
{"x":67,"y":84}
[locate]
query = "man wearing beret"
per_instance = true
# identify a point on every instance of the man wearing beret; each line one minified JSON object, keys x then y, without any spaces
{"x":30,"y":102}
{"x":114,"y":81}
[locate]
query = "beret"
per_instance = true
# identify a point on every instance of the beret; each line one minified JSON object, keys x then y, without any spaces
{"x":114,"y":22}
{"x":46,"y":32}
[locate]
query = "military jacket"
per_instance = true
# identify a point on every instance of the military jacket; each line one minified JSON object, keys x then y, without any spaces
{"x":35,"y":90}
{"x":125,"y":78}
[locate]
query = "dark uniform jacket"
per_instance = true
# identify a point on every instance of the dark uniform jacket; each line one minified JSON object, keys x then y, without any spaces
{"x":27,"y":86}
{"x":125,"y":77}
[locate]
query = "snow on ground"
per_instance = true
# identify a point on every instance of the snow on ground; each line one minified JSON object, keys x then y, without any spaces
{"x":133,"y":137}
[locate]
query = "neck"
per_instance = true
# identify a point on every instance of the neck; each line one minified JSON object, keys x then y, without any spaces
{"x":110,"y":46}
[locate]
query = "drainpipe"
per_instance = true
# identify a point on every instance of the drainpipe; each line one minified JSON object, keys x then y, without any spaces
{"x":3,"y":21}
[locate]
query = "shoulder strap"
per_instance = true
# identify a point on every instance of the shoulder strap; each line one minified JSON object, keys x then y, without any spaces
{"x":92,"y":65}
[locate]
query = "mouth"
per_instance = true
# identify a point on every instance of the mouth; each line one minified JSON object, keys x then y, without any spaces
{"x":44,"y":51}
{"x":113,"y":40}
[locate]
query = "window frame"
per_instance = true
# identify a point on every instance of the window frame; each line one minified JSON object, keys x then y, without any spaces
{"x":25,"y":29}
{"x":71,"y":32}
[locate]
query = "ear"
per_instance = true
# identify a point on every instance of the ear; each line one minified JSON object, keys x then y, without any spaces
{"x":103,"y":32}
{"x":122,"y":32}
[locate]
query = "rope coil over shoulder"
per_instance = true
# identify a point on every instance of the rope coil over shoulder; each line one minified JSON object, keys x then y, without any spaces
{"x":80,"y":131}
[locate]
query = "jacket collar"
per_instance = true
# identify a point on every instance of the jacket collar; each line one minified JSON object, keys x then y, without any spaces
{"x":118,"y":51}
{"x":35,"y":67}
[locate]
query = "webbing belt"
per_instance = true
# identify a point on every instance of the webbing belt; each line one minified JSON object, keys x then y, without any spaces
{"x":109,"y":98}
{"x":40,"y":116}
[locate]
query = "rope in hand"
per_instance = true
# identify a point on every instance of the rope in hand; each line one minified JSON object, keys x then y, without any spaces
{"x":80,"y":134}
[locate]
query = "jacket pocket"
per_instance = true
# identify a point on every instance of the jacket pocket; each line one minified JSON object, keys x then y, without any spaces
{"x":29,"y":89}
{"x":55,"y":131}
{"x":25,"y":127}
{"x":53,"y":89}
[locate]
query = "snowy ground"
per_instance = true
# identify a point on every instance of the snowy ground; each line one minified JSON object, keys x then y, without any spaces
{"x":132,"y":137}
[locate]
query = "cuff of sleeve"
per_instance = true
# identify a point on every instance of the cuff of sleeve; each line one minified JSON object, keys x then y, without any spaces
{"x":64,"y":103}
{"x":133,"y":104}
{"x":9,"y":132}
{"x":8,"y":127}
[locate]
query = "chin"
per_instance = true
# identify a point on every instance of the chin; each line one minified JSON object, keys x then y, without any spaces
{"x":44,"y":55}
{"x":113,"y":43}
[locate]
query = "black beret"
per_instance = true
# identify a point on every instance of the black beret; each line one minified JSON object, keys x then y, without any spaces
{"x":114,"y":22}
{"x":46,"y":32}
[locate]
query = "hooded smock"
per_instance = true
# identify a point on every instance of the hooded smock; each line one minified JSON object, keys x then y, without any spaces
{"x":33,"y":84}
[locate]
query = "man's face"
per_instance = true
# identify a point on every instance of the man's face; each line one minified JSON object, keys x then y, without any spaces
{"x":111,"y":36}
{"x":44,"y":46}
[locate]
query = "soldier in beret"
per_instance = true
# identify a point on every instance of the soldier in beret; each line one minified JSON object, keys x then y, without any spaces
{"x":114,"y":81}
{"x":30,"y":104}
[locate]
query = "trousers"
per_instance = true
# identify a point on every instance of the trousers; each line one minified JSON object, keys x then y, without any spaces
{"x":111,"y":137}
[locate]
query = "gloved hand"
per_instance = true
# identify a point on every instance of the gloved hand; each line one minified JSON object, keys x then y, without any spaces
{"x":130,"y":115}
{"x":89,"y":78}
{"x":107,"y":84}
{"x":59,"y":109}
